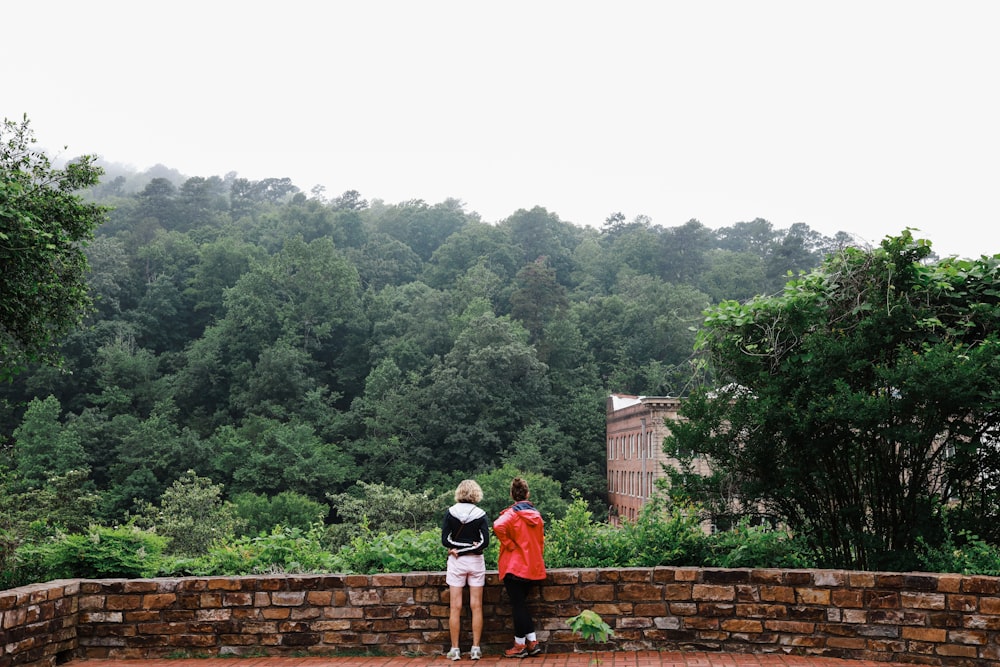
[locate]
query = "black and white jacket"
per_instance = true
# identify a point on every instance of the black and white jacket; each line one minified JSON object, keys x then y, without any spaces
{"x":465,"y":528}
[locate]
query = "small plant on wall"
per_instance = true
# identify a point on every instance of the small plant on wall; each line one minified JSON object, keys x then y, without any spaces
{"x":590,"y":627}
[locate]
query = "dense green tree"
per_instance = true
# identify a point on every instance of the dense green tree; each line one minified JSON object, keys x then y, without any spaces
{"x":411,"y":324}
{"x":595,"y":271}
{"x":647,"y":323}
{"x":276,"y":383}
{"x":260,"y":514}
{"x":386,"y":444}
{"x":308,"y":297}
{"x":203,"y":200}
{"x":420,"y":226}
{"x":733,"y":276}
{"x":539,"y":233}
{"x":219,"y":265}
{"x":348,"y":228}
{"x":856,"y":404}
{"x":109,"y":279}
{"x":308,"y":218}
{"x":537,"y":298}
{"x":684,"y":250}
{"x":475,"y":244}
{"x":383,"y":260}
{"x":158,"y":203}
{"x":192,"y":515}
{"x":202,"y":385}
{"x":636,"y":248}
{"x":489,"y":387}
{"x":43,"y":226}
{"x":128,"y":377}
{"x":480,"y":284}
{"x":43,"y":448}
{"x":756,"y":237}
{"x":278,"y":456}
{"x":148,"y":455}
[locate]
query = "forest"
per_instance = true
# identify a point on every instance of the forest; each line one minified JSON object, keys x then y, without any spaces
{"x":218,"y":375}
{"x":278,"y":342}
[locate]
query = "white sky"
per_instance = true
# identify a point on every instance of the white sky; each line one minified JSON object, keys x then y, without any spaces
{"x":862,"y":116}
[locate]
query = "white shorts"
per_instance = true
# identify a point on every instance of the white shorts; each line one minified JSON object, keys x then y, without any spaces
{"x":469,"y":569}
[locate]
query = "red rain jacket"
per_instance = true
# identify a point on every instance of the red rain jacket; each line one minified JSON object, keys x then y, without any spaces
{"x":521,"y":533}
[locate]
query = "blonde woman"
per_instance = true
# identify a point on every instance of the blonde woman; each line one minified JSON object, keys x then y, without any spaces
{"x":465,"y":533}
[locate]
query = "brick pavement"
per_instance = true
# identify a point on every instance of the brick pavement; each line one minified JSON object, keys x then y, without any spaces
{"x":581,"y":659}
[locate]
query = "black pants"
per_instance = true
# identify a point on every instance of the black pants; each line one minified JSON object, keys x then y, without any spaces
{"x":517,"y":590}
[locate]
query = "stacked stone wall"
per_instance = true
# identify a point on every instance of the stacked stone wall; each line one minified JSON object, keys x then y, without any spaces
{"x":922,"y":618}
{"x":38,"y":623}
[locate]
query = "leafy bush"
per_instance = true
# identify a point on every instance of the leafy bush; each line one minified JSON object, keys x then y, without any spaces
{"x":757,"y":546}
{"x":97,"y":554}
{"x":660,"y":536}
{"x":404,"y":551}
{"x":576,"y":540}
{"x":192,"y":515}
{"x":387,"y":508}
{"x":260,"y":513}
{"x":965,"y":553}
{"x":664,"y":535}
{"x":20,"y":562}
{"x":282,"y":550}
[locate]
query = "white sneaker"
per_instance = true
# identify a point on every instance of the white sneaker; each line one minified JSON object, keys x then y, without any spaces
{"x":454,"y":654}
{"x":476,"y":653}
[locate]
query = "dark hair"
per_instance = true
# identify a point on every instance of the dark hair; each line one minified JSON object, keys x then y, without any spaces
{"x":518,"y":489}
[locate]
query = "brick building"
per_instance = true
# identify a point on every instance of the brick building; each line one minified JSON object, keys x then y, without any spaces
{"x":636,"y":427}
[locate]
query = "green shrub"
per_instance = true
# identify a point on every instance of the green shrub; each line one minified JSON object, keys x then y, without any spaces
{"x":99,"y":553}
{"x":576,"y":540}
{"x":404,"y":551}
{"x":757,"y":547}
{"x":260,"y":513}
{"x":664,"y":534}
{"x":191,"y":515}
{"x":965,"y":553}
{"x":282,"y":550}
{"x":20,"y":562}
{"x":659,"y":536}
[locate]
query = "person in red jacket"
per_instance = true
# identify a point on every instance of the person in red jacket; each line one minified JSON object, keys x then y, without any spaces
{"x":521,"y":533}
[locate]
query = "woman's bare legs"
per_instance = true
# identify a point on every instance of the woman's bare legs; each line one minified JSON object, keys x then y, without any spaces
{"x":476,"y":604}
{"x":455,"y":616}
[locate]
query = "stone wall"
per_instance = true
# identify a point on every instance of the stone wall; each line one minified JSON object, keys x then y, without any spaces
{"x":935,"y":619}
{"x":39,"y":623}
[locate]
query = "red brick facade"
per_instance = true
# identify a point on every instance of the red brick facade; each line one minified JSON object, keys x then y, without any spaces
{"x":636,"y":427}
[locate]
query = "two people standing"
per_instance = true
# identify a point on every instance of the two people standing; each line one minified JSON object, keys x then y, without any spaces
{"x":520,"y":531}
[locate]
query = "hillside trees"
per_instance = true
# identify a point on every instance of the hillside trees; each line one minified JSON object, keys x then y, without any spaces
{"x":858,"y":405}
{"x":274,"y":343}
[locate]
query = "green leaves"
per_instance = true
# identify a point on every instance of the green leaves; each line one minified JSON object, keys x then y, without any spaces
{"x":590,"y":626}
{"x":42,"y":228}
{"x":857,"y":376}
